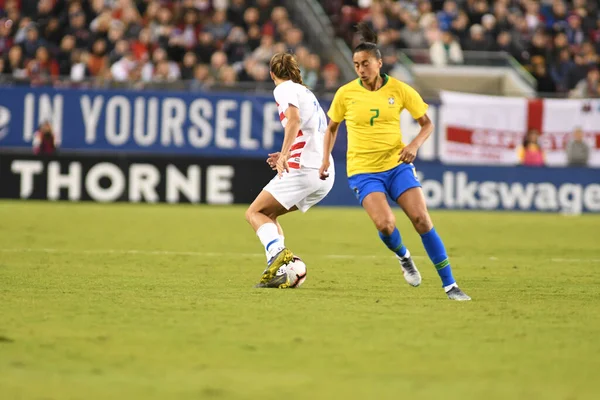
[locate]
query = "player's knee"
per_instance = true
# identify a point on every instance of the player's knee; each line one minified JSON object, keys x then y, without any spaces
{"x":386,"y":225}
{"x":422,"y":222}
{"x":250,"y":214}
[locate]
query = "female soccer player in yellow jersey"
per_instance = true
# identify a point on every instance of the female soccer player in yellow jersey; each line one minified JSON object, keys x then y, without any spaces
{"x":379,"y":163}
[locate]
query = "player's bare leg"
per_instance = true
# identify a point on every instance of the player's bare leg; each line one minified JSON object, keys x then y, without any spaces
{"x":262,"y":215}
{"x":376,"y":205}
{"x":413,"y":203}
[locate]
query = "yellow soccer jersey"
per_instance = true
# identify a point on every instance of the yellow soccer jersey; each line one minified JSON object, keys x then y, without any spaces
{"x":373,"y":122}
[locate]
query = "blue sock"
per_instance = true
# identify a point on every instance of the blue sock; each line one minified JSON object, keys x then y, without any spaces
{"x":394,"y":242}
{"x":437,"y":253}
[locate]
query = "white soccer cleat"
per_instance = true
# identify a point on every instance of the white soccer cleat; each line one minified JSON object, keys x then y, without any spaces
{"x":410,"y":271}
{"x":456,"y":294}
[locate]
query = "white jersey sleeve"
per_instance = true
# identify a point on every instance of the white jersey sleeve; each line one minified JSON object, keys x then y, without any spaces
{"x":285,"y":96}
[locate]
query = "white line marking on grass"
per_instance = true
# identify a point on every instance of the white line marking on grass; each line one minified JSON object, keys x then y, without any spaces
{"x":214,"y":254}
{"x":179,"y":253}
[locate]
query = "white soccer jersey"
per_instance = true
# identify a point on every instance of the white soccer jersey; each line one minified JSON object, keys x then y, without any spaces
{"x":307,"y":149}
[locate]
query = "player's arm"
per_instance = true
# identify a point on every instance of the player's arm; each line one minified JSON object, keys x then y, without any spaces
{"x":292,"y":113}
{"x":409,"y":153}
{"x":337,"y":113}
{"x":328,"y":143}
{"x":329,"y":140}
{"x":291,"y":129}
{"x":418,"y":110}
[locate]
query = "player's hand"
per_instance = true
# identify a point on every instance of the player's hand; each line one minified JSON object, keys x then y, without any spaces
{"x":272,"y":160}
{"x":323,"y":174}
{"x":281,"y":166}
{"x":408,"y":153}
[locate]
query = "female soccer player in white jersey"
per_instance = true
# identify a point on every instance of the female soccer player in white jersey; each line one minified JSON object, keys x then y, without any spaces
{"x":379,"y":164}
{"x":297,"y":185}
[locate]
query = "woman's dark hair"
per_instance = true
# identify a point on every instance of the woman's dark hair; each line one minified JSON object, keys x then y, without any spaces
{"x":368,"y":42}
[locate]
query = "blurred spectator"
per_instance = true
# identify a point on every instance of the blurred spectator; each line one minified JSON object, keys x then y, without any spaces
{"x":575,"y":34}
{"x":545,"y":83}
{"x":42,"y":67}
{"x":189,"y":63}
{"x":190,"y":28}
{"x":413,"y":35}
{"x":44,"y":141}
{"x":578,"y":72}
{"x":235,"y":12}
{"x":331,"y":76}
{"x":530,"y":153}
{"x":97,"y":60}
{"x":587,"y":87}
{"x":78,"y":26}
{"x":446,"y":50}
{"x":578,"y":151}
{"x":228,"y":76}
{"x":121,"y":70}
{"x":15,"y":63}
{"x":264,"y":52}
{"x":311,"y":71}
{"x":217,"y":62}
{"x":477,"y":40}
{"x":142,"y":46}
{"x":79,"y":66}
{"x":219,"y":27}
{"x":31,"y":40}
{"x":236,"y":46}
{"x":6,"y":41}
{"x":560,"y":70}
{"x":539,"y":46}
{"x":202,"y":79}
{"x":447,"y":15}
{"x":505,"y":43}
{"x":460,"y":27}
{"x":488,"y":21}
{"x":67,"y":46}
{"x":205,"y":47}
{"x":150,"y":70}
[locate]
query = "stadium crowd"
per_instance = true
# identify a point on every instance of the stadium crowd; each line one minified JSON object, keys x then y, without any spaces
{"x":200,"y":43}
{"x":196,"y":43}
{"x":558,"y":41}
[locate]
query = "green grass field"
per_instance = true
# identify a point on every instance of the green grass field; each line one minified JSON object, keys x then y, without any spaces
{"x":157,"y":302}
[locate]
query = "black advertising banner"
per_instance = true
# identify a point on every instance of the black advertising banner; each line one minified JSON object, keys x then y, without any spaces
{"x":149,"y":179}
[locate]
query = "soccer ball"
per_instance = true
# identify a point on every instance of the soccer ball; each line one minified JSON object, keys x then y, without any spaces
{"x":296,"y":270}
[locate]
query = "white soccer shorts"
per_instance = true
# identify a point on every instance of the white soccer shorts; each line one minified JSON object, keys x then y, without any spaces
{"x":300,"y":187}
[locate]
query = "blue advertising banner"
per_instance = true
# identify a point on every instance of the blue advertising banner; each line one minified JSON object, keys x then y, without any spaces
{"x":193,"y":123}
{"x":568,"y":190}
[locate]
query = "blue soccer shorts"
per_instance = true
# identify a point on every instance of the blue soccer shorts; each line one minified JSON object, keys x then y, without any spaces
{"x":393,"y":182}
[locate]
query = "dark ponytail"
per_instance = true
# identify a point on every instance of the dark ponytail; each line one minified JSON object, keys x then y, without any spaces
{"x":285,"y":66}
{"x":368,"y":40}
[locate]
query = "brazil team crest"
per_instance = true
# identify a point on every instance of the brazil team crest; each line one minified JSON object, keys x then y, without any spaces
{"x":391,"y":101}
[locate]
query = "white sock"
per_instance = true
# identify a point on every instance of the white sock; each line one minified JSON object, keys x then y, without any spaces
{"x":270,"y":239}
{"x":281,"y":241}
{"x":447,"y":288}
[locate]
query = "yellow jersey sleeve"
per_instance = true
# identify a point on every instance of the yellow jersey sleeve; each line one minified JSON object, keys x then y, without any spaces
{"x":337,"y":110}
{"x":413,"y":102}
